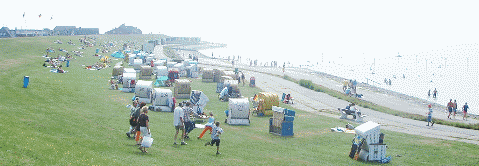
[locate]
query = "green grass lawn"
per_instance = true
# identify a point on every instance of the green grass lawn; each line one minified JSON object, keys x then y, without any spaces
{"x":74,"y":119}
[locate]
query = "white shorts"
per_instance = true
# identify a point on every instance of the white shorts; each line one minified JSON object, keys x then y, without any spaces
{"x":144,"y":131}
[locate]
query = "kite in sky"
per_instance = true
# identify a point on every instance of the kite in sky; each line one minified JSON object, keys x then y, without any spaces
{"x":23,"y":14}
{"x":39,"y":15}
{"x":51,"y":17}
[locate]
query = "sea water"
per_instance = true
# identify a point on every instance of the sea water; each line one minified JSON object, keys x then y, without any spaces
{"x":453,"y":72}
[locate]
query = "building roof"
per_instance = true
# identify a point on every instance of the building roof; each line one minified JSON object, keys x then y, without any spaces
{"x":61,"y":28}
{"x":5,"y":33}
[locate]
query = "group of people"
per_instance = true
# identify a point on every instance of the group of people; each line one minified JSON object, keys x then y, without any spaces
{"x":97,"y":65}
{"x":240,"y":78}
{"x":56,"y":62}
{"x":434,"y":93}
{"x":139,"y":124}
{"x":387,"y":82}
{"x":452,"y":109}
{"x":349,"y":88}
{"x":183,"y":123}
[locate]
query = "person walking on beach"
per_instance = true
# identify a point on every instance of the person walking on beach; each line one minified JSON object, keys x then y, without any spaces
{"x":464,"y":109}
{"x":429,"y":115}
{"x":345,"y":85}
{"x":450,"y":105}
{"x":429,"y":93}
{"x":434,"y":93}
{"x":455,"y":109}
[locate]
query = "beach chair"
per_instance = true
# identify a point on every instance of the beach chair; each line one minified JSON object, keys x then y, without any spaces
{"x":161,"y":81}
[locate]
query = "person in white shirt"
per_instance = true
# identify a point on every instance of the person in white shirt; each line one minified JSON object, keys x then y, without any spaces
{"x":215,"y":137}
{"x":179,"y":123}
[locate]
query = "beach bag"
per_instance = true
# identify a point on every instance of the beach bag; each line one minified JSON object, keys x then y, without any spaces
{"x":147,"y":141}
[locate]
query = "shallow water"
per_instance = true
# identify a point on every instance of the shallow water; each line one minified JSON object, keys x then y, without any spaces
{"x":452,"y":71}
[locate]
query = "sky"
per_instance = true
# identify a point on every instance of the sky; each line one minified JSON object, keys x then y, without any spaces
{"x":272,"y":30}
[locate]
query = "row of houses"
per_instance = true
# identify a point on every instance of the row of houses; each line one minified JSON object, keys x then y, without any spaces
{"x":181,"y":40}
{"x":5,"y":32}
{"x":72,"y":30}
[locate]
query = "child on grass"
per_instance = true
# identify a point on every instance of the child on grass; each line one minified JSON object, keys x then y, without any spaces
{"x":429,"y":116}
{"x":209,"y":125}
{"x":215,"y":137}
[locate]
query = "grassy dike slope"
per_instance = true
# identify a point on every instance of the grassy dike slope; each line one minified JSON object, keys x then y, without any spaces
{"x":73,"y":119}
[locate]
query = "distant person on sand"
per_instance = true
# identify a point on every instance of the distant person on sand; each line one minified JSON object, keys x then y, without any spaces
{"x":464,"y":109}
{"x":450,"y":105}
{"x":429,"y":116}
{"x":345,"y":85}
{"x":429,"y":93}
{"x":434,"y":93}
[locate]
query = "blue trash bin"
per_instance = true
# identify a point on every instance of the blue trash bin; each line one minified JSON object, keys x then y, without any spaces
{"x":97,"y":50}
{"x":68,"y":63}
{"x":26,"y":79}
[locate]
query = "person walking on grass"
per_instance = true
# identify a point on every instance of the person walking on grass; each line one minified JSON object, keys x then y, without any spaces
{"x":189,"y":125}
{"x":209,"y":125}
{"x":134,"y":115}
{"x":143,"y":121}
{"x":215,"y":137}
{"x":454,"y":108}
{"x":450,"y":105}
{"x":464,"y":109}
{"x":429,"y":115}
{"x":242,"y":77}
{"x":179,"y":123}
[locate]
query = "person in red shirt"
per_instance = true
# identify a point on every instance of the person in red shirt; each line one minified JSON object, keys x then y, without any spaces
{"x":450,"y":105}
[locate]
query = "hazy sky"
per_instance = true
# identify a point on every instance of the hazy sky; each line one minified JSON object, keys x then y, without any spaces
{"x":292,"y":30}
